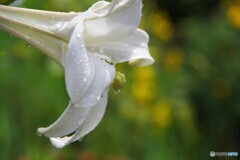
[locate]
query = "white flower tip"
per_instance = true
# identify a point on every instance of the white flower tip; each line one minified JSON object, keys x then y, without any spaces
{"x":142,"y":61}
{"x":59,"y":142}
{"x":41,"y":131}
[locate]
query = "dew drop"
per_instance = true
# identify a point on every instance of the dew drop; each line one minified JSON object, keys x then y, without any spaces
{"x":58,"y":27}
{"x":39,"y":134}
{"x":70,"y":109}
{"x":78,"y":35}
{"x":28,"y":45}
{"x":38,"y":42}
{"x":27,"y":37}
{"x":85,"y":80}
{"x":76,"y":60}
{"x":98,"y":98}
{"x":117,"y":91}
{"x":143,"y":44}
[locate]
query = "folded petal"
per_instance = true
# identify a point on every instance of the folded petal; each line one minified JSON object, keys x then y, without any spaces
{"x":132,"y":48}
{"x":87,"y":79}
{"x":78,"y":65}
{"x":86,"y":75}
{"x":123,"y":19}
{"x":77,"y":114}
{"x":94,"y":117}
{"x":92,"y":120}
{"x":67,"y":123}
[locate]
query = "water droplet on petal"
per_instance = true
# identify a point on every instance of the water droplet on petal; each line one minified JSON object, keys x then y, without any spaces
{"x":58,"y":27}
{"x":70,"y":109}
{"x":38,"y":42}
{"x":85,"y":80}
{"x":27,"y":37}
{"x":78,"y":35}
{"x":76,"y":60}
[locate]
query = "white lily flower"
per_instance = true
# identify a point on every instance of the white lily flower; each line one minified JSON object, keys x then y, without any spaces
{"x":86,"y":44}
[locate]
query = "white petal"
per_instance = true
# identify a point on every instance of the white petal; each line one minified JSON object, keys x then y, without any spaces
{"x":79,"y":68}
{"x":103,"y":8}
{"x":93,"y":119}
{"x":87,"y":77}
{"x":60,"y":142}
{"x":67,"y":123}
{"x":104,"y":74}
{"x":76,"y":115}
{"x":132,"y":48}
{"x":44,"y":20}
{"x":121,"y":21}
{"x":38,"y":28}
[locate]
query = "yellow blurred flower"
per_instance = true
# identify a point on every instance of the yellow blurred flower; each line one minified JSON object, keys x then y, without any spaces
{"x":161,"y":114}
{"x":233,"y":13}
{"x":2,"y":53}
{"x":135,"y":114}
{"x":161,"y":26}
{"x":173,"y":59}
{"x":143,"y":86}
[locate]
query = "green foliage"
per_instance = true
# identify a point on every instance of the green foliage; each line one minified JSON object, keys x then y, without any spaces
{"x":182,"y":107}
{"x":6,"y":1}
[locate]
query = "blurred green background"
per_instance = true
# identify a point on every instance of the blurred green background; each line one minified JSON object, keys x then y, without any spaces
{"x":182,"y":107}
